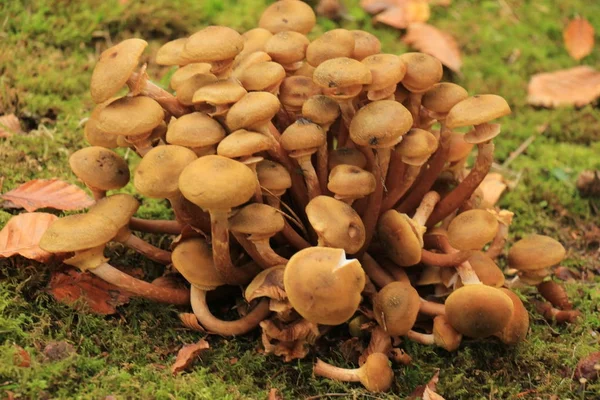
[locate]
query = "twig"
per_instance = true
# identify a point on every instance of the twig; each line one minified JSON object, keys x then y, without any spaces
{"x":519,"y":150}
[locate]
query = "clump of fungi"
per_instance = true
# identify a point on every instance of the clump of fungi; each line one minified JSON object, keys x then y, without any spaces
{"x":325,"y":178}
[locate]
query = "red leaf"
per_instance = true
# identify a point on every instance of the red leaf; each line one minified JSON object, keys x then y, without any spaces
{"x":430,"y":40}
{"x":579,"y":38}
{"x":71,"y":286}
{"x":575,"y":86}
{"x":52,"y":193}
{"x":187,"y":355}
{"x":21,"y":358}
{"x":22,"y":234}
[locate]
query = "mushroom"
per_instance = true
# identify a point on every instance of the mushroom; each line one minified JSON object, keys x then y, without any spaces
{"x":217,"y":98}
{"x":365,"y":44}
{"x":331,"y":44}
{"x":188,"y":88}
{"x":96,"y":137}
{"x":216,"y":45}
{"x":376,"y":375}
{"x":243,"y":63}
{"x":347,"y":156}
{"x":443,"y":335}
{"x":171,"y":53}
{"x":350,"y":183}
{"x":197,"y":131}
{"x":516,"y":330}
{"x":100,"y":169}
{"x":288,"y":15}
{"x":294,"y":92}
{"x":396,"y":307}
{"x":471,"y":230}
{"x":323,"y":286}
{"x":533,"y":256}
{"x":254,"y":41}
{"x":265,"y":76}
{"x":386,"y":70}
{"x":486,"y":270}
{"x":287,"y":48}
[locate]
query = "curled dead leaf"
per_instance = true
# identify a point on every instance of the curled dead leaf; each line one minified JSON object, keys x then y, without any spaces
{"x":588,"y":367}
{"x":9,"y":125}
{"x":21,"y":358}
{"x":427,"y":392}
{"x":22,"y":234}
{"x":576,"y":86}
{"x":579,"y":38}
{"x":588,"y":183}
{"x":187,"y":355}
{"x":56,"y":351}
{"x":404,"y":13}
{"x":190,"y":321}
{"x":430,"y":40}
{"x":492,"y":188}
{"x":274,"y":395}
{"x":52,"y":193}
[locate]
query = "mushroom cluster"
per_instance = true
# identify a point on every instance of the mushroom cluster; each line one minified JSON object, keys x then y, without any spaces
{"x":325,"y":178}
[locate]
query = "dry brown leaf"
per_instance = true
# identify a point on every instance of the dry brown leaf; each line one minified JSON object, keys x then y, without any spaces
{"x":190,"y":321}
{"x":52,"y":193}
{"x":72,"y":287}
{"x":56,"y":351}
{"x":187,"y":355}
{"x":428,"y":39}
{"x":22,"y":234}
{"x":404,"y":13}
{"x":21,"y":358}
{"x":492,"y":188}
{"x":576,"y":86}
{"x":588,"y":367}
{"x":9,"y":124}
{"x":579,"y":38}
{"x":427,"y":392}
{"x":274,"y":395}
{"x":376,"y":6}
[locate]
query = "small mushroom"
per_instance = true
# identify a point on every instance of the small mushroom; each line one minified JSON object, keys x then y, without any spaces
{"x":287,"y":48}
{"x":533,"y":256}
{"x":100,"y":169}
{"x":188,"y":88}
{"x":294,"y":92}
{"x":347,"y":156}
{"x":288,"y":15}
{"x":171,"y":53}
{"x":443,"y":335}
{"x":350,"y":183}
{"x":376,"y":375}
{"x":396,"y":307}
{"x":365,"y":44}
{"x":265,"y":76}
{"x":387,"y":70}
{"x":331,"y":44}
{"x":471,"y":230}
{"x":197,"y":131}
{"x":254,"y":41}
{"x":216,"y":45}
{"x":217,"y":98}
{"x":516,"y":330}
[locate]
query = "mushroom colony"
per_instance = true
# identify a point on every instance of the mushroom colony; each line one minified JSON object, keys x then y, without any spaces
{"x":326,"y":179}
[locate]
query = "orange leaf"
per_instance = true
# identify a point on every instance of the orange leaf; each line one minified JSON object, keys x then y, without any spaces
{"x":70,"y":286}
{"x":22,"y":234}
{"x":9,"y":124}
{"x":52,"y":193}
{"x":579,"y":38}
{"x":404,"y":14}
{"x":575,"y":86}
{"x":492,"y":187}
{"x":187,"y":355}
{"x":376,"y":6}
{"x":430,"y":40}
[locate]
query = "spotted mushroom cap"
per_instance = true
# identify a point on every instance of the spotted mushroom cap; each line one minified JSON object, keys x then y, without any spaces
{"x":477,"y":110}
{"x":130,"y":116}
{"x":380,"y":124}
{"x":100,"y":168}
{"x":288,"y":15}
{"x":77,"y":232}
{"x":213,"y":43}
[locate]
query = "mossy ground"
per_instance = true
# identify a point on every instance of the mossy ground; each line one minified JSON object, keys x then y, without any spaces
{"x":47,"y":54}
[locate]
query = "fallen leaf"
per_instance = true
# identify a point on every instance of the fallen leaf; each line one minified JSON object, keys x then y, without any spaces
{"x":21,"y":358}
{"x":377,"y":6}
{"x":9,"y":125}
{"x":404,"y":13}
{"x":274,"y":395}
{"x":576,"y":86}
{"x":579,"y":38}
{"x":190,"y":321}
{"x":187,"y":355}
{"x":22,"y":235}
{"x":332,"y":9}
{"x":588,"y":367}
{"x":427,"y":392}
{"x":492,"y":188}
{"x":56,"y":351}
{"x":588,"y":183}
{"x":428,"y":39}
{"x":71,"y":287}
{"x":52,"y":193}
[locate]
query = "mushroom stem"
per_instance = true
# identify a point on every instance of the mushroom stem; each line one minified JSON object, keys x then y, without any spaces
{"x":414,"y":106}
{"x":426,"y":208}
{"x":431,"y":308}
{"x":497,"y":246}
{"x":258,"y":192}
{"x":227,"y":328}
{"x":555,"y":294}
{"x":146,"y":87}
{"x":252,"y":251}
{"x":322,"y":170}
{"x":371,"y":214}
{"x":97,"y":193}
{"x":422,"y":338}
{"x":326,"y":370}
{"x":310,"y":176}
{"x":378,"y":275}
{"x":187,"y":213}
{"x":443,"y":259}
{"x":465,"y":189}
{"x":266,"y":251}
{"x":464,"y":269}
{"x":155,"y":226}
{"x":409,"y":176}
{"x":383,"y":158}
{"x":399,"y":168}
{"x":288,"y":232}
{"x":110,"y":274}
{"x":348,"y":110}
{"x":147,"y":250}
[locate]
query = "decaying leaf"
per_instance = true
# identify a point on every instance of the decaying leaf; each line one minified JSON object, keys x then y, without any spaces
{"x":22,"y":234}
{"x":588,"y":183}
{"x":404,"y":13}
{"x":190,"y":321}
{"x":579,"y":38}
{"x":588,"y":367}
{"x":56,"y":351}
{"x":428,"y":39}
{"x":52,"y":193}
{"x":332,"y":9}
{"x":274,"y":395}
{"x":492,"y":188}
{"x":9,"y":125}
{"x":72,"y":287}
{"x":187,"y":355}
{"x":576,"y":86}
{"x":21,"y":358}
{"x":427,"y":392}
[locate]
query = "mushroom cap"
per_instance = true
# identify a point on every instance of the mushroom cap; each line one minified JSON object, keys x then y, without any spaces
{"x":386,"y":70}
{"x":171,"y":53}
{"x":288,"y":15}
{"x":443,"y":96}
{"x":295,"y":91}
{"x":305,"y":70}
{"x":119,"y":208}
{"x":213,"y":43}
{"x":78,"y":232}
{"x":365,"y":44}
{"x":243,"y":143}
{"x":268,"y":283}
{"x":186,"y":72}
{"x":378,"y":376}
{"x":472,"y":229}
{"x":257,"y":219}
{"x":241,"y":63}
{"x":483,"y":133}
{"x":194,"y":130}
{"x":252,"y":110}
{"x":114,"y":68}
{"x":341,"y":72}
{"x":226,"y":91}
{"x":458,"y":148}
{"x":193,"y":259}
{"x":303,"y":135}
{"x":518,"y":325}
{"x":287,"y":47}
{"x":422,"y":71}
{"x":336,"y":223}
{"x":478,"y":311}
{"x":349,"y":181}
{"x":100,"y":168}
{"x":262,"y":76}
{"x":321,"y":109}
{"x":95,"y":136}
{"x":331,"y":44}
{"x":323,"y":286}
{"x":535,"y":252}
{"x":396,"y":307}
{"x":417,"y":146}
{"x":477,"y":110}
{"x":217,"y":183}
{"x":254,"y":40}
{"x":380,"y":124}
{"x":486,"y":269}
{"x":157,"y":174}
{"x":401,"y":237}
{"x":273,"y":176}
{"x":130,"y":116}
{"x":188,"y":88}
{"x":444,"y":334}
{"x":347,"y":155}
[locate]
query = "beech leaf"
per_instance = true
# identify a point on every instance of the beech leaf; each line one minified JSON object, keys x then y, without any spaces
{"x":427,"y":392}
{"x":52,"y":193}
{"x":187,"y":355}
{"x":588,"y":367}
{"x":9,"y":124}
{"x":428,"y":39}
{"x":404,"y":13}
{"x":579,"y":38}
{"x":22,"y":235}
{"x":576,"y":86}
{"x":492,"y":186}
{"x":71,"y":287}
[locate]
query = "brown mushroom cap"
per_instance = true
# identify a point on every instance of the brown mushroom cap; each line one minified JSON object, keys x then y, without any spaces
{"x":186,"y":72}
{"x":401,"y":237}
{"x":193,"y":259}
{"x":273,"y":176}
{"x":242,"y":63}
{"x":321,"y":110}
{"x":378,"y":376}
{"x":156,"y":175}
{"x":288,"y":15}
{"x":472,"y":229}
{"x":114,"y":68}
{"x":518,"y":325}
{"x":243,"y":143}
{"x":380,"y":124}
{"x":486,"y":269}
{"x":459,"y":148}
{"x":341,"y":72}
{"x":119,"y":208}
{"x":422,"y":71}
{"x":347,"y":155}
{"x":268,"y":283}
{"x":386,"y":70}
{"x":195,"y":130}
{"x":349,"y":181}
{"x":188,"y":88}
{"x":535,"y":252}
{"x":100,"y":168}
{"x":256,"y":219}
{"x":396,"y":307}
{"x":262,"y":76}
{"x":254,"y":40}
{"x":443,"y":96}
{"x":130,"y":116}
{"x":171,"y":53}
{"x":365,"y":44}
{"x":336,"y":223}
{"x":95,"y":136}
{"x":222,"y":92}
{"x":477,"y":110}
{"x":417,"y":146}
{"x":217,"y":183}
{"x":478,"y":311}
{"x":295,"y":91}
{"x":287,"y":47}
{"x":444,"y":334}
{"x":213,"y":43}
{"x":252,"y":110}
{"x":331,"y":44}
{"x":323,"y":286}
{"x":78,"y":232}
{"x":303,"y":135}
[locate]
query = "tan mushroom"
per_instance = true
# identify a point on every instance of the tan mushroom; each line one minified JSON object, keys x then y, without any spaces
{"x":288,"y":15}
{"x":376,"y":375}
{"x":287,"y":48}
{"x":217,"y":45}
{"x":171,"y":53}
{"x":197,"y":131}
{"x":100,"y":169}
{"x":365,"y":44}
{"x":387,"y":70}
{"x":443,"y":335}
{"x":331,"y":44}
{"x":349,"y":183}
{"x":533,"y":256}
{"x":217,"y":98}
